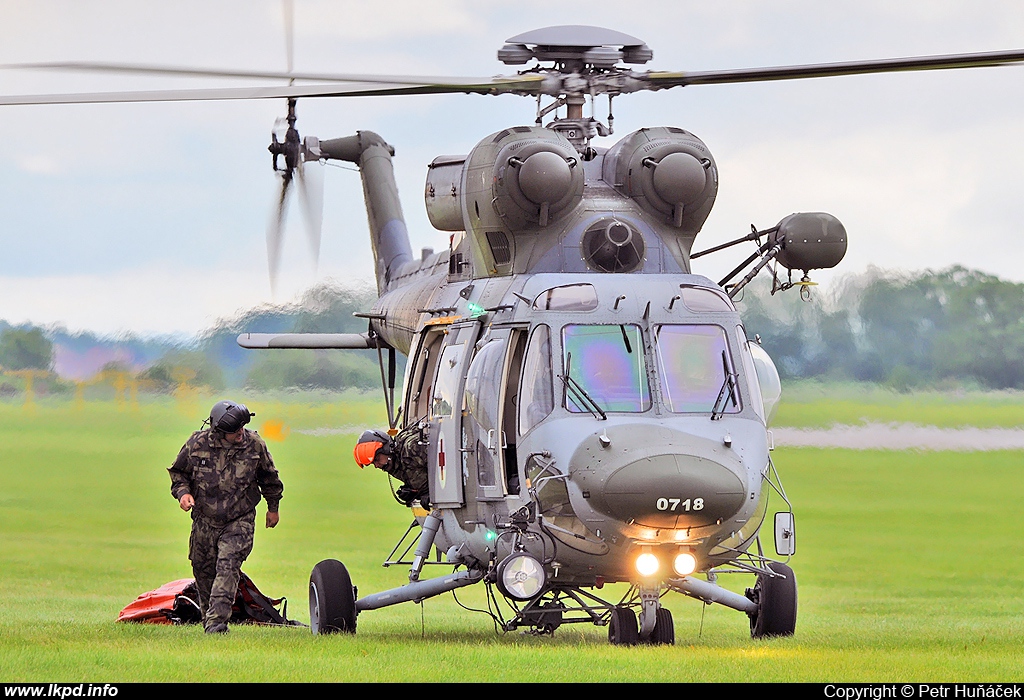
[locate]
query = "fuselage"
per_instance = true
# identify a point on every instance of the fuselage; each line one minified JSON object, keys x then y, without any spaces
{"x":567,"y":366}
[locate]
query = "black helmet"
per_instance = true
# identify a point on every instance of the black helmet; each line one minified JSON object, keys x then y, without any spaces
{"x":229,"y":417}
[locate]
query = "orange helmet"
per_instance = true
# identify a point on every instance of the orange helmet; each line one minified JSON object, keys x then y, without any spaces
{"x":369,"y":444}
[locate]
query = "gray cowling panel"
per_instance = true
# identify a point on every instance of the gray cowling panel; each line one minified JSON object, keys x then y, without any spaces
{"x":443,"y":193}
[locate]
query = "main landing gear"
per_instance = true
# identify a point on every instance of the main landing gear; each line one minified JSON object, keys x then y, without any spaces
{"x":332,"y":599}
{"x":775,"y":597}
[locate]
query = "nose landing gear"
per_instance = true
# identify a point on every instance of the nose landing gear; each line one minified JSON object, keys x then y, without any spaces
{"x":656,"y":625}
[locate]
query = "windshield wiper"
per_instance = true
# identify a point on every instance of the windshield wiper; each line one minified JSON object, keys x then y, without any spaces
{"x":579,"y":394}
{"x":729,"y":383}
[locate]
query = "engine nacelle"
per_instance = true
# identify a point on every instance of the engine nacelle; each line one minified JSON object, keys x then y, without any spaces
{"x":535,"y":180}
{"x":668,"y":171}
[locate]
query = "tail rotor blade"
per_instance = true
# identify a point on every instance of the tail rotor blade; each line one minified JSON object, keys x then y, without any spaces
{"x":311,"y":199}
{"x":289,"y":32}
{"x":275,"y":232}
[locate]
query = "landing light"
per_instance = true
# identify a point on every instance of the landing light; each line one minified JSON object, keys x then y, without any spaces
{"x":684,"y":564}
{"x":521,"y":576}
{"x":647,"y":564}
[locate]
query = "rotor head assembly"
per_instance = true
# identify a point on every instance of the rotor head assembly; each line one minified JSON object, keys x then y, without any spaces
{"x":575,"y":47}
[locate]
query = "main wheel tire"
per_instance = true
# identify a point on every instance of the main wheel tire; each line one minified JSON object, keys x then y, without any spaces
{"x":332,"y":599}
{"x":622,"y":627}
{"x":776,"y":603}
{"x":664,"y":631}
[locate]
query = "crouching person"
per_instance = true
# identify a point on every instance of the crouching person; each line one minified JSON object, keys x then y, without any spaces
{"x":403,"y":456}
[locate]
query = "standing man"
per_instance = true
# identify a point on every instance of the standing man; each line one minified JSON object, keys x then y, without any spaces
{"x":219,"y":475}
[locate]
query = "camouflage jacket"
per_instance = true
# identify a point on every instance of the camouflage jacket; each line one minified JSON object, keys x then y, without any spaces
{"x":409,"y":461}
{"x":225,"y":479}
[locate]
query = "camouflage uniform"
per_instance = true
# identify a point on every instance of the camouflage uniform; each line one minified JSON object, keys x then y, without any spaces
{"x":409,"y":464}
{"x":226,"y":480}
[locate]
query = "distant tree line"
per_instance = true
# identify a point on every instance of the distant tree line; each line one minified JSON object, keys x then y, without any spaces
{"x":214,"y":360}
{"x":903,"y":329}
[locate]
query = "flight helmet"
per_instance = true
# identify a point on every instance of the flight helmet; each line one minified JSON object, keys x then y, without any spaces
{"x":369,"y":444}
{"x":229,"y":417}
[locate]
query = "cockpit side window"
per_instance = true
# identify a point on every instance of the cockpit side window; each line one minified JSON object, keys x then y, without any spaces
{"x":569,"y":297}
{"x":693,"y":363}
{"x":605,"y":364}
{"x":536,"y":394}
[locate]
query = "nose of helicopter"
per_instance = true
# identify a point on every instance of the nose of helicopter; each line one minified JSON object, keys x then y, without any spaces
{"x":658,"y":477}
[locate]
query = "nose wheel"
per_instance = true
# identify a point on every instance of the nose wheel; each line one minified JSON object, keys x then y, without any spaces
{"x":664,"y":631}
{"x":624,"y":631}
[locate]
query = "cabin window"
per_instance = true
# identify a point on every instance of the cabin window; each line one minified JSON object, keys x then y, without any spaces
{"x":703,"y":299}
{"x":536,"y":394}
{"x":483,"y":381}
{"x":444,"y":401}
{"x":483,"y":388}
{"x":605,"y":363}
{"x":693,"y":362}
{"x":570,"y":297}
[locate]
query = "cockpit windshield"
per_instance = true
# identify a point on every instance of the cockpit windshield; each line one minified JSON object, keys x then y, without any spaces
{"x":693,"y":363}
{"x":605,"y":364}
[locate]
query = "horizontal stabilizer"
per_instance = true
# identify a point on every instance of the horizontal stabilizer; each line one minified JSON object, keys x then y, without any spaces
{"x":308,"y":341}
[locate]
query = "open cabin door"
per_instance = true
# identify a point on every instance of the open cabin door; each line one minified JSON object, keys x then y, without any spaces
{"x":437,"y":392}
{"x":492,"y":393}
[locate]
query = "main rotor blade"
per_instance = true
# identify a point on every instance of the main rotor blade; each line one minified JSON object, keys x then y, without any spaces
{"x":520,"y":84}
{"x":181,"y":71}
{"x":275,"y":232}
{"x":822,"y":70}
{"x":311,"y":200}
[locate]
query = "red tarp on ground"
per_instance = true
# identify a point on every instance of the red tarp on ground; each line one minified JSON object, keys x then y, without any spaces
{"x":153,"y":606}
{"x":177,"y":603}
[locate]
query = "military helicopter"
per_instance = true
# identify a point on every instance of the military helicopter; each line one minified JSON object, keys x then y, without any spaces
{"x":593,"y":410}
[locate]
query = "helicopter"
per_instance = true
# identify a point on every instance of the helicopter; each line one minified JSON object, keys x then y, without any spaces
{"x":593,"y":410}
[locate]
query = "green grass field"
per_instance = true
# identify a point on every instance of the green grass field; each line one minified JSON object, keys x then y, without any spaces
{"x":907,"y":561}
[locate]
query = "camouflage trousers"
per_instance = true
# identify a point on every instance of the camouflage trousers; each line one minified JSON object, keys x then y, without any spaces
{"x":217,"y":550}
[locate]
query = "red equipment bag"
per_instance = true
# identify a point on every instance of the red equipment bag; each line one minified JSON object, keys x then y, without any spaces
{"x":177,"y":603}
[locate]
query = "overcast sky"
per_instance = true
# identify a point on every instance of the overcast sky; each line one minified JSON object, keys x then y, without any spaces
{"x":152,"y":217}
